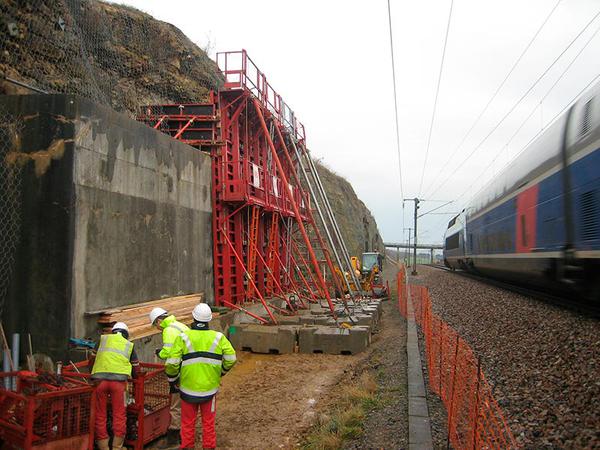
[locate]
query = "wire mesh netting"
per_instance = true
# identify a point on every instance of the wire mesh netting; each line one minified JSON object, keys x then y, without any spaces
{"x":111,"y":54}
{"x":10,"y":187}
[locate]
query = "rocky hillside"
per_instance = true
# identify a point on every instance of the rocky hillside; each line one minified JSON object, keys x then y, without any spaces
{"x":121,"y":57}
{"x":356,"y":222}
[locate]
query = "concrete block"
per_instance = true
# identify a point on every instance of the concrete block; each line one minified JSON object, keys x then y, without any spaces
{"x":322,"y":320}
{"x":333,"y":340}
{"x":241,"y":318}
{"x":322,"y":306}
{"x":307,"y":320}
{"x":365,"y":319}
{"x":263,"y":339}
{"x":288,"y":320}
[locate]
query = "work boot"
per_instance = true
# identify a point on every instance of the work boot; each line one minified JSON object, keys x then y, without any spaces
{"x":102,"y":444}
{"x":173,"y":437}
{"x":117,"y":443}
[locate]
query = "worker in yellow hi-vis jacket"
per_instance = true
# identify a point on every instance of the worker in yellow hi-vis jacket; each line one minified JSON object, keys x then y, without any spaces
{"x":199,"y":358}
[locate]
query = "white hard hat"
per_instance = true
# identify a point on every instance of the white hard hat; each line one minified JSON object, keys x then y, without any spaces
{"x":155,"y":314}
{"x":120,"y":326}
{"x":202,"y":313}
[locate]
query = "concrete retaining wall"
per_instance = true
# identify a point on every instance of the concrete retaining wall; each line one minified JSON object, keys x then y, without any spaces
{"x":112,"y":213}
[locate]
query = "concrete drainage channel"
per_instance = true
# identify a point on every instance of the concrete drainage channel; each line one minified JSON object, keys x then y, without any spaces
{"x":310,"y":331}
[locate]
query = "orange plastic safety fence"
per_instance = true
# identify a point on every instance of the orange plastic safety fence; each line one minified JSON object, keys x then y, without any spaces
{"x":475,"y":421}
{"x":402,"y":289}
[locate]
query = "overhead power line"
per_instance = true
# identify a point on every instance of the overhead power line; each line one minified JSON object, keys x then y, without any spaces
{"x":498,"y":89}
{"x":568,"y":105}
{"x":437,"y":91}
{"x":395,"y":99}
{"x":573,"y":100}
{"x":478,"y":146}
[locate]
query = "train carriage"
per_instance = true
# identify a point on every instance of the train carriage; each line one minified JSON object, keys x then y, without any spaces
{"x":538,"y":222}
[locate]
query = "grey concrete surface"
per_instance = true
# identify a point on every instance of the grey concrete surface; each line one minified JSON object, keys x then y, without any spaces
{"x":116,"y":214}
{"x":333,"y":340}
{"x":419,"y":426}
{"x":280,"y":339}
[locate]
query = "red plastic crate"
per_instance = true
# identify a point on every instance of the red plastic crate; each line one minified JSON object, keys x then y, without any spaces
{"x":148,"y":416}
{"x":44,"y":416}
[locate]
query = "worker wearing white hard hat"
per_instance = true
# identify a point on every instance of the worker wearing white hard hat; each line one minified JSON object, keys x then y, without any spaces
{"x":199,"y":358}
{"x":113,"y":362}
{"x":170,"y":329}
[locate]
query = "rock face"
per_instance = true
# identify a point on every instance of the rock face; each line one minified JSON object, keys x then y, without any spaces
{"x":123,"y":58}
{"x":356,"y":222}
{"x":111,"y":54}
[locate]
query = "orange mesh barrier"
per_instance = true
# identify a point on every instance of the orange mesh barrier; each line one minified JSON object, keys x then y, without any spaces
{"x":402,"y":289}
{"x":475,"y":421}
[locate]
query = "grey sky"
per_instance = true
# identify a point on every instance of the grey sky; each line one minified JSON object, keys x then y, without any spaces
{"x":330,"y":60}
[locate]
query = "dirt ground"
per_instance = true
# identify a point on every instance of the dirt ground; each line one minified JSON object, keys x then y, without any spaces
{"x":386,"y":426}
{"x":270,"y":401}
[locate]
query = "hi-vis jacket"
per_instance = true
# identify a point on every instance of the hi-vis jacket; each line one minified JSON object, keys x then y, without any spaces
{"x":171,"y":329}
{"x":114,"y":358}
{"x":199,"y":358}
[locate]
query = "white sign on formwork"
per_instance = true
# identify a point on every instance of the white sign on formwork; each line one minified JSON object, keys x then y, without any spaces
{"x":291,"y":188}
{"x":255,"y":176}
{"x":275,"y":188}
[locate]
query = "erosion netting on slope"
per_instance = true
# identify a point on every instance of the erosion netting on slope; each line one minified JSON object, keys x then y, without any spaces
{"x":475,"y":421}
{"x":111,"y":54}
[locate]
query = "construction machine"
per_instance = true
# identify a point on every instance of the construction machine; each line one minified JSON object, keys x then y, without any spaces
{"x":368,"y":270}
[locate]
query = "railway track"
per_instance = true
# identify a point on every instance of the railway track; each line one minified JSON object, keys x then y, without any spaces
{"x":573,"y":304}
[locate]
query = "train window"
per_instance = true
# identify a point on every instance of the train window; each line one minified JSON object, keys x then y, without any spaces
{"x":452,"y":242}
{"x":586,"y":121}
{"x":452,"y":222}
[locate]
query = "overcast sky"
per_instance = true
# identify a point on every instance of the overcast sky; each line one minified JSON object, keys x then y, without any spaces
{"x":330,"y":60}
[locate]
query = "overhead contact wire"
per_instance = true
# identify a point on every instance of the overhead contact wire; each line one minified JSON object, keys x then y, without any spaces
{"x":437,"y":92}
{"x":396,"y":106}
{"x":515,"y":105}
{"x":498,"y":89}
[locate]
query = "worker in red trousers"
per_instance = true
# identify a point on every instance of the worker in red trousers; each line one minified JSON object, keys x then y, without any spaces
{"x":113,"y":362}
{"x":200,"y":357}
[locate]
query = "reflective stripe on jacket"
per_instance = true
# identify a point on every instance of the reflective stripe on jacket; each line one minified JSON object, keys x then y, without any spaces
{"x":113,"y":356}
{"x":171,"y":329}
{"x":199,"y":358}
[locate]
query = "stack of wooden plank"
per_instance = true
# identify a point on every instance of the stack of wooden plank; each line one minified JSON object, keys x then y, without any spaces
{"x":137,"y":316}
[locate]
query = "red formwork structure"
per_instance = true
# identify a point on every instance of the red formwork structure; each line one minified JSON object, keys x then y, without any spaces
{"x":265,"y":238}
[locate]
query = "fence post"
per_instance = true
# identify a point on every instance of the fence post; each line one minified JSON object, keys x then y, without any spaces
{"x":452,"y":393}
{"x":476,"y":419}
{"x":428,"y":344}
{"x":440,"y":339}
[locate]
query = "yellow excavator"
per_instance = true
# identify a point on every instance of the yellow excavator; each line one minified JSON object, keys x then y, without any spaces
{"x":368,"y":271}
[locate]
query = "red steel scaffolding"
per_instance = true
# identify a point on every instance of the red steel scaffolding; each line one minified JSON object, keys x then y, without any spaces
{"x":265,"y":239}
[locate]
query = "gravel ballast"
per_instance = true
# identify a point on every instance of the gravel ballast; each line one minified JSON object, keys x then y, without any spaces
{"x":541,"y":360}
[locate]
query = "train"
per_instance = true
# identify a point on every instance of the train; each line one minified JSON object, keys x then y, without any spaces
{"x":538,"y":222}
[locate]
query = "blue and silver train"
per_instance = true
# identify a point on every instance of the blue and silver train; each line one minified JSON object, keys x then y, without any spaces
{"x":538,"y":222}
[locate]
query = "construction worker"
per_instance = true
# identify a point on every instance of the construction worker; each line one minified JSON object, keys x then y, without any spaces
{"x":113,"y":362}
{"x":170,"y":328}
{"x":199,"y":358}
